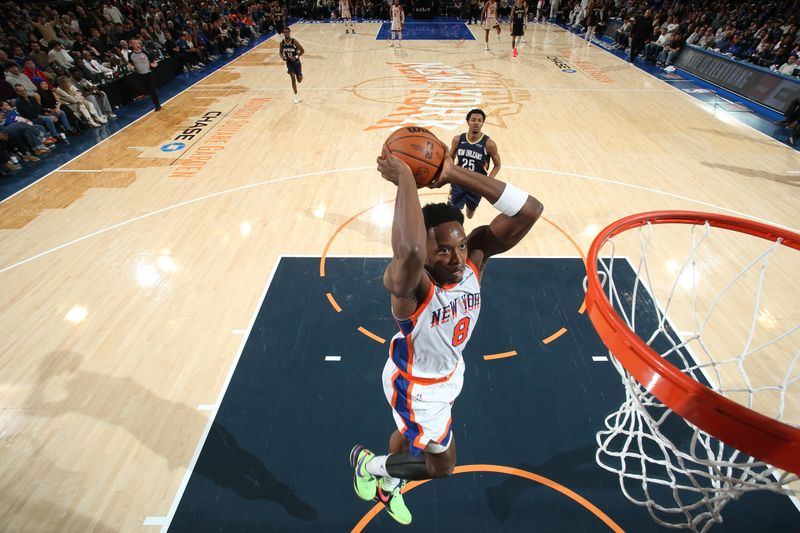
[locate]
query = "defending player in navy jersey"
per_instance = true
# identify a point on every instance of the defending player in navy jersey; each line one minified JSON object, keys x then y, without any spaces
{"x":290,"y":51}
{"x":473,"y":150}
{"x":433,"y":281}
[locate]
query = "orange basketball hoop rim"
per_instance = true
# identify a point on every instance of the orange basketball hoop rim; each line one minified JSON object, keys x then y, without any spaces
{"x":760,"y":436}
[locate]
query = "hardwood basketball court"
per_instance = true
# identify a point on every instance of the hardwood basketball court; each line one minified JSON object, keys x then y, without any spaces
{"x":131,"y":275}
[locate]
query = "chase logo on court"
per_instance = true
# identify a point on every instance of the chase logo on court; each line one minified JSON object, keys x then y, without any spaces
{"x":197,"y":129}
{"x":173,"y":147}
{"x":562,"y":64}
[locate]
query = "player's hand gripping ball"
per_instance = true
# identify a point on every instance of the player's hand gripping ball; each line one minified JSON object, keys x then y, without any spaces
{"x":421,"y":150}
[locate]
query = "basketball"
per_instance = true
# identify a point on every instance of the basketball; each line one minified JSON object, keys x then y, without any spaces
{"x":421,"y":150}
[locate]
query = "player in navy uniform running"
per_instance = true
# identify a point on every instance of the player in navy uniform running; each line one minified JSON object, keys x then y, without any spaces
{"x":290,"y":51}
{"x":517,"y":20}
{"x":473,"y":150}
{"x":433,"y":281}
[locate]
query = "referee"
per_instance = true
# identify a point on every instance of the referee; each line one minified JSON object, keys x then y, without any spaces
{"x":142,"y":64}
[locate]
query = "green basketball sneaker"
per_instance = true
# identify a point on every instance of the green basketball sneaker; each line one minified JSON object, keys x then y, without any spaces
{"x":393,"y":501}
{"x":364,"y":483}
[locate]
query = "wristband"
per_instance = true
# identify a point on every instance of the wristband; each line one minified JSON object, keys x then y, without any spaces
{"x":511,"y":201}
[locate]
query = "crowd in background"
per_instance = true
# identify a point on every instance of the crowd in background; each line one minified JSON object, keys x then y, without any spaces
{"x":766,"y":34}
{"x":55,"y":60}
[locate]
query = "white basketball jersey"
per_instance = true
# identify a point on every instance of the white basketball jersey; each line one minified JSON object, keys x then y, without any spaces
{"x":397,"y":14}
{"x":491,"y":10}
{"x":430,"y":342}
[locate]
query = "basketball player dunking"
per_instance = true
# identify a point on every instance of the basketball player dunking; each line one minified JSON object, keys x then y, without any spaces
{"x":290,"y":51}
{"x":433,"y":281}
{"x":344,"y":9}
{"x":517,"y":20}
{"x":398,"y":20}
{"x":489,"y":19}
{"x":473,"y":150}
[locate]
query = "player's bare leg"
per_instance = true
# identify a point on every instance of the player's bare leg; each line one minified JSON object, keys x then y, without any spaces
{"x":295,"y":80}
{"x":470,"y":212}
{"x":487,"y":40}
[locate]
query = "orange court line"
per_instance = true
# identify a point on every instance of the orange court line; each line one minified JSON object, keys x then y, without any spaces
{"x":503,"y":355}
{"x":333,"y":302}
{"x":378,"y":507}
{"x":568,"y":236}
{"x":348,"y":221}
{"x":577,"y":247}
{"x":371,"y":335}
{"x":554,"y":336}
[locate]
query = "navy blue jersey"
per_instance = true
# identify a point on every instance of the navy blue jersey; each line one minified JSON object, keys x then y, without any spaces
{"x":519,"y":15}
{"x":289,"y":50}
{"x":473,"y":156}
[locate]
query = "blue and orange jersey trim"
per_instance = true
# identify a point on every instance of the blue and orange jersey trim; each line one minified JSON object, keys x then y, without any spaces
{"x":401,"y":402}
{"x":474,"y":269}
{"x":402,"y":350}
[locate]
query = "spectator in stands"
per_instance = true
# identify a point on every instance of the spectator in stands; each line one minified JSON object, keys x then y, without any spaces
{"x":15,"y":77}
{"x":96,"y":70}
{"x":33,"y":73}
{"x":51,"y":104}
{"x":28,"y":106}
{"x":6,"y":147}
{"x":45,"y":28}
{"x":112,"y":14}
{"x":98,"y":42}
{"x":65,"y":40}
{"x":38,"y":55}
{"x":790,"y":67}
{"x":159,"y":36}
{"x":671,"y":51}
{"x":72,"y":98}
{"x":25,"y":135}
{"x":190,"y":52}
{"x":696,"y":35}
{"x":124,"y":51}
{"x":93,"y":94}
{"x":655,"y":47}
{"x":31,"y":134}
{"x":736,"y":48}
{"x":19,"y":56}
{"x":59,"y":56}
{"x":622,"y":38}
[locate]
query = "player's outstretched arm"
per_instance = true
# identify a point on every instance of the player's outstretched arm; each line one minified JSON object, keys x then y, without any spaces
{"x":518,"y":212}
{"x":491,"y":149}
{"x":454,"y":147}
{"x":409,"y":239}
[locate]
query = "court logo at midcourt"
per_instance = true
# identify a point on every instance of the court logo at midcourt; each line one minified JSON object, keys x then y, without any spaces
{"x":438,"y":95}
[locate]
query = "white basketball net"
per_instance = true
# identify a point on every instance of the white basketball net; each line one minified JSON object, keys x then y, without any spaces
{"x":684,"y":476}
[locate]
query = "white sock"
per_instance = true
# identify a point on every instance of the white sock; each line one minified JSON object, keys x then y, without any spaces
{"x":377,"y":466}
{"x":390,"y":483}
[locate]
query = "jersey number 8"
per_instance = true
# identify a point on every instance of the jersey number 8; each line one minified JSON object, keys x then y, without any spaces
{"x":461,"y":330}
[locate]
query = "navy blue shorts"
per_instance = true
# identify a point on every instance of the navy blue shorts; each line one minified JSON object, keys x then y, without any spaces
{"x":294,"y":67}
{"x":459,"y":197}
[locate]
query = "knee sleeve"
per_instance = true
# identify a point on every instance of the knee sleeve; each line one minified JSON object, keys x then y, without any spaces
{"x":407,"y":466}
